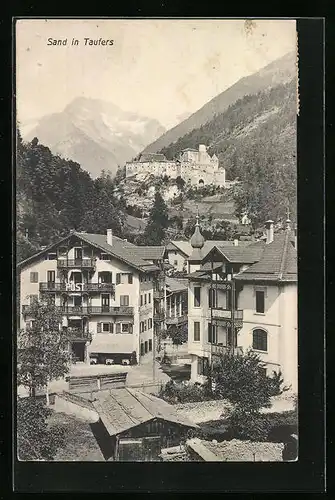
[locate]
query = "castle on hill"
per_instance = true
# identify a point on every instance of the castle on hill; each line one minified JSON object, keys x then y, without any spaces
{"x":193,"y":165}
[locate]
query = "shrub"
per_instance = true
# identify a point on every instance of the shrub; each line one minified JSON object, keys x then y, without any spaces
{"x":184,"y":393}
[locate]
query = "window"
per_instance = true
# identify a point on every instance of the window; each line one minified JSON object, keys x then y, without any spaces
{"x":175,"y":263}
{"x":34,"y":277}
{"x":197,"y":292}
{"x":33,"y":299}
{"x":149,"y":323}
{"x":142,"y":349}
{"x":118,"y":278}
{"x":124,"y":300}
{"x":141,"y":300}
{"x":105,"y":277}
{"x":104,"y":256}
{"x":260,"y":299}
{"x":203,"y":366}
{"x":51,"y":276}
{"x":212,"y":298}
{"x":145,"y":299}
{"x":125,"y":328}
{"x":130,"y":278}
{"x":260,"y":340}
{"x":196,"y":331}
{"x":212,"y":334}
{"x":118,"y":328}
{"x":150,"y":345}
{"x":146,"y":346}
{"x":106,"y":327}
{"x":149,"y":298}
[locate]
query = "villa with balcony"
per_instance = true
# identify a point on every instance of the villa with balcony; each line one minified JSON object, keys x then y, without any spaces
{"x":241,"y":298}
{"x":103,"y":286}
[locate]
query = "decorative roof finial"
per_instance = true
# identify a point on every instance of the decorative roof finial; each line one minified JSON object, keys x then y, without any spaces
{"x":197,"y":240}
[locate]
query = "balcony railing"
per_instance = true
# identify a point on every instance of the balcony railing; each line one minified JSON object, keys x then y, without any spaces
{"x":158,"y":316}
{"x":220,"y":349}
{"x":77,"y":287}
{"x":78,"y":334}
{"x":80,"y":263}
{"x":98,"y":310}
{"x":176,"y":320}
{"x":220,"y":313}
{"x":88,"y":310}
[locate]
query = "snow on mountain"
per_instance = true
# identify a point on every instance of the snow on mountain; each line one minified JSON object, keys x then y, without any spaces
{"x":96,"y":134}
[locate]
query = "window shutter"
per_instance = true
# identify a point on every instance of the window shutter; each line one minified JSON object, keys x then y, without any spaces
{"x":98,"y":327}
{"x":118,"y":278}
{"x":110,"y":327}
{"x":126,"y":297}
{"x":130,"y":328}
{"x":118,"y":327}
{"x":130,"y":278}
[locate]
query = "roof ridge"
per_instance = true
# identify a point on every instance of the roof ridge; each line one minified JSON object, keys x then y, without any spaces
{"x":283,"y":258}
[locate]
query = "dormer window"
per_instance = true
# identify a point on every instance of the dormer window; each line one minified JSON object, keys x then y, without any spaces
{"x":105,"y":256}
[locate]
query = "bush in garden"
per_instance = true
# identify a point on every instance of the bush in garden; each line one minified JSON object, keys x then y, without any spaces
{"x":183,"y":393}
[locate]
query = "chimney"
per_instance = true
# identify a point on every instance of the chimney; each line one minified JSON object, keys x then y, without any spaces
{"x":109,"y":237}
{"x":235,"y":243}
{"x":269,"y":231}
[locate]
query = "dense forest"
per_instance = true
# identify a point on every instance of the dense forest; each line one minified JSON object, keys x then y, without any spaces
{"x":55,"y":196}
{"x":255,"y":140}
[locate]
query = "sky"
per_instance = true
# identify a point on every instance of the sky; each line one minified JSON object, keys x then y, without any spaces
{"x":158,"y":68}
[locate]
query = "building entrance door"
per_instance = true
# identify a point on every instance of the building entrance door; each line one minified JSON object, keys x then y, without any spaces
{"x":78,"y":256}
{"x":105,"y":302}
{"x":78,"y":351}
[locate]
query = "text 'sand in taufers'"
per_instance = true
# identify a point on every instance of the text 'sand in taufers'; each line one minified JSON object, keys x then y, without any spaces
{"x":76,"y":42}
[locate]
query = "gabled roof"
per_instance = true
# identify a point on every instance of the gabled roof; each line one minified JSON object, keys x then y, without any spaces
{"x":176,"y":284}
{"x":123,"y":250}
{"x":150,"y":252}
{"x":236,"y":254}
{"x":125,"y":408}
{"x":278,"y":262}
{"x":186,"y":248}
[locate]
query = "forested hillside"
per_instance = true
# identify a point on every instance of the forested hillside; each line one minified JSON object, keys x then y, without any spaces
{"x":255,"y":140}
{"x":55,"y":196}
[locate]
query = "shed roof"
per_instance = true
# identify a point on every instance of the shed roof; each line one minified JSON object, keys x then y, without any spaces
{"x":125,"y":408}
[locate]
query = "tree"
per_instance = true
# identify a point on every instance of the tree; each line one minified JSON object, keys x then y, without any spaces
{"x":36,"y":439}
{"x":43,"y":348}
{"x":158,"y":221}
{"x":178,"y":334}
{"x":239,"y":378}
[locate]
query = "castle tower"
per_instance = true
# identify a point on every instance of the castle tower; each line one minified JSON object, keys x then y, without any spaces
{"x":202,"y":154}
{"x":197,"y":242}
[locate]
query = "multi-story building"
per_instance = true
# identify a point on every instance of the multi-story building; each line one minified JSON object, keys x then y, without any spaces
{"x":177,"y":252}
{"x":193,"y":165}
{"x":244,"y":297}
{"x":104,"y":288}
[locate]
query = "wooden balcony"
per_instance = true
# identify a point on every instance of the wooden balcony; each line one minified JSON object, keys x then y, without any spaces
{"x":89,"y":310}
{"x":176,"y":320}
{"x":158,"y":316}
{"x":76,"y":263}
{"x":77,"y":287}
{"x":218,"y":349}
{"x":225,"y":316}
{"x":78,"y":334}
{"x":158,"y":294}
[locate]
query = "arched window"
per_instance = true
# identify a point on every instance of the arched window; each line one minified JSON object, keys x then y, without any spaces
{"x":201,"y":182}
{"x":260,"y":340}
